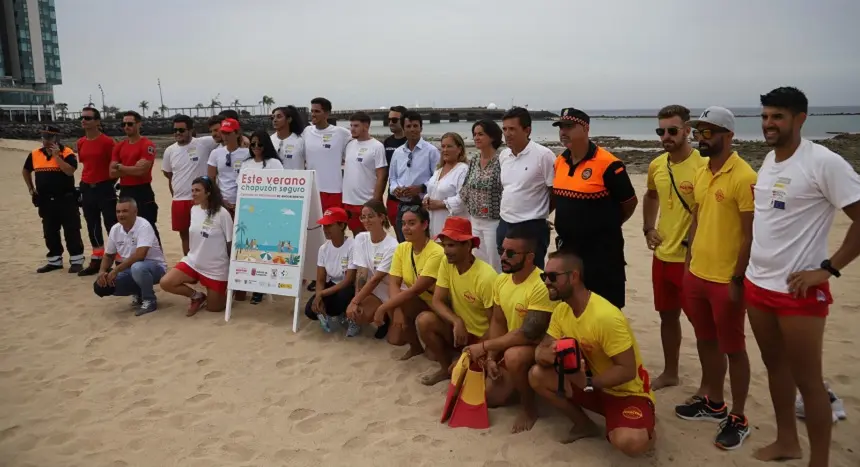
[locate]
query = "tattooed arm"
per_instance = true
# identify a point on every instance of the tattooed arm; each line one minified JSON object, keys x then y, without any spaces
{"x":364,"y":286}
{"x":531,"y":332}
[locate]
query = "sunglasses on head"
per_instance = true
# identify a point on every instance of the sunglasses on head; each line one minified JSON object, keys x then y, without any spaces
{"x":553,"y":276}
{"x":128,"y":123}
{"x":707,"y":133}
{"x":505,"y":253}
{"x":180,"y":130}
{"x":671,"y":130}
{"x":87,"y":118}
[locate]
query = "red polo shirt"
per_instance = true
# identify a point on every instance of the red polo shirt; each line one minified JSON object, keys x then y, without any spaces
{"x":96,"y":156}
{"x":128,"y":154}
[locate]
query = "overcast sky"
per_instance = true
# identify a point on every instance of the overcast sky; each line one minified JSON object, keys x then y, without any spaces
{"x":610,"y":54}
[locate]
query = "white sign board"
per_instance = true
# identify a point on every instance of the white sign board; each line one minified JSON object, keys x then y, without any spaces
{"x":274,"y":247}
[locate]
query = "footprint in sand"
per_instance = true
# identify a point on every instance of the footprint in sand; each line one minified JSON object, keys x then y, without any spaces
{"x":131,"y":366}
{"x":403,"y":399}
{"x":181,"y":357}
{"x":285,"y":363}
{"x":199,"y":397}
{"x":213,"y":375}
{"x":59,"y":438}
{"x":313,"y":424}
{"x":169,"y":332}
{"x":95,"y":341}
{"x":356,"y":442}
{"x":10,"y":432}
{"x":96,"y":362}
{"x":237,"y":452}
{"x":142,"y":403}
{"x":204,"y":362}
{"x":301,"y":414}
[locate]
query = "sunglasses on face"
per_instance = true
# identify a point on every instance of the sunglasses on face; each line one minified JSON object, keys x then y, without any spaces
{"x":87,"y":118}
{"x":180,"y":130}
{"x":256,"y":145}
{"x":128,"y":124}
{"x":505,"y":253}
{"x":707,"y":133}
{"x":672,"y":131}
{"x":553,"y":276}
{"x":393,"y":119}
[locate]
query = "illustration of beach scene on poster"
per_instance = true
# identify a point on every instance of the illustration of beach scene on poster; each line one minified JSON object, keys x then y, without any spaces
{"x":270,"y":238}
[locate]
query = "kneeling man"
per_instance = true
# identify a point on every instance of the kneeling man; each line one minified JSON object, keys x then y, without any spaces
{"x":616,"y":385}
{"x":462,"y":301}
{"x":142,"y":266}
{"x":521,"y":314}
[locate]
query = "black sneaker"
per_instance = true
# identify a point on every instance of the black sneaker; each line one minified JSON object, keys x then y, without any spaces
{"x":91,"y":270}
{"x":733,"y":431}
{"x":382,"y":331}
{"x":76,"y":268}
{"x":49,"y":268}
{"x":256,"y":298}
{"x":701,"y":408}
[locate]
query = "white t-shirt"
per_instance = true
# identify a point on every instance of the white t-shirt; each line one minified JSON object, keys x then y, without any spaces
{"x":374,"y":257}
{"x":208,"y":238}
{"x":205,"y":146}
{"x":141,"y":235}
{"x":291,"y":151}
{"x":795,"y":202}
{"x":227,"y":174}
{"x":335,"y":260}
{"x":324,"y":152}
{"x":272,"y":163}
{"x":525,"y":178}
{"x":362,"y":160}
{"x":185,"y":163}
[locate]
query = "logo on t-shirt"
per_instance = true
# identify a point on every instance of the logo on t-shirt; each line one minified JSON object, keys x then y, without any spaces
{"x":521,"y":309}
{"x":586,"y":174}
{"x":344,"y":262}
{"x":719,"y":195}
{"x":686,"y":187}
{"x":469,"y":297}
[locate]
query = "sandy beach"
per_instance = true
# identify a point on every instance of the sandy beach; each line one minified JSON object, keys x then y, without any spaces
{"x":85,"y":383}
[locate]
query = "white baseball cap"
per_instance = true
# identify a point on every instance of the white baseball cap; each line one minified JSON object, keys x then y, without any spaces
{"x":715,"y":115}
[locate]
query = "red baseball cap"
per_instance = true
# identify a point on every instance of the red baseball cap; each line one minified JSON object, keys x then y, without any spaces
{"x":459,"y":229}
{"x":229,"y":125}
{"x":333,"y":216}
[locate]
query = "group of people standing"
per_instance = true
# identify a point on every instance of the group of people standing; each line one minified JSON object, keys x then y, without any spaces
{"x":468,"y":269}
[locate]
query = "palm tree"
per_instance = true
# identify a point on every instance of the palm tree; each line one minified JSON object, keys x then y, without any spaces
{"x":241,"y":230}
{"x":198,"y":107}
{"x":163,"y":110}
{"x":63,"y":108}
{"x":235,"y":103}
{"x":215,"y":103}
{"x":144,"y":105}
{"x":267,"y":102}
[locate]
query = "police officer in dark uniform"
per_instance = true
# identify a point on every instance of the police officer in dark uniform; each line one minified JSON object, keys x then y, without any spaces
{"x":55,"y":196}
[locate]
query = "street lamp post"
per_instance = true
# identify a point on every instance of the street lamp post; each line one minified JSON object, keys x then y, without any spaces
{"x":104,"y":108}
{"x":160,"y":95}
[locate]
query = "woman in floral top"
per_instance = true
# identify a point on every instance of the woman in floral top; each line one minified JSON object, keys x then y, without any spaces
{"x":482,"y":191}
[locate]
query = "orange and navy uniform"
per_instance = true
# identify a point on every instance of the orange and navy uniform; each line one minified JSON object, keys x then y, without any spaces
{"x":51,"y":182}
{"x":588,"y":216}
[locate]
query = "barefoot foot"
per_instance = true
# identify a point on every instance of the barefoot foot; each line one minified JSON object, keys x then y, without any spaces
{"x":664,"y":381}
{"x":579,"y":432}
{"x":439,"y":376}
{"x":524,"y":421}
{"x":411,"y":353}
{"x":779,"y":452}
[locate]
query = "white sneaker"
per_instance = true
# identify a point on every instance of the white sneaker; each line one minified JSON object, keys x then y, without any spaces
{"x":836,"y":405}
{"x":136,"y":301}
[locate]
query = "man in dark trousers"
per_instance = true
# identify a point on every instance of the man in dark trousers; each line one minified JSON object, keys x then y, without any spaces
{"x":131,"y":162}
{"x":55,"y":196}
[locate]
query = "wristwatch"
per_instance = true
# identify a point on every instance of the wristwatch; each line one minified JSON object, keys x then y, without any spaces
{"x":829,"y":268}
{"x":646,"y":230}
{"x":589,"y":387}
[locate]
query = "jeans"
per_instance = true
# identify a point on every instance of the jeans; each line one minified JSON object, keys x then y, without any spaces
{"x":537,"y":229}
{"x":137,"y":280}
{"x":61,"y":213}
{"x":99,"y":204}
{"x":485,"y":229}
{"x":335,"y":305}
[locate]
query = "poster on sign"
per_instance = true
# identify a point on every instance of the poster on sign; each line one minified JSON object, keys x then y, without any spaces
{"x":274,"y":247}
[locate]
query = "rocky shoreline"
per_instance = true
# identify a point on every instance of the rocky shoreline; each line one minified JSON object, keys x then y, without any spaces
{"x":635,"y":153}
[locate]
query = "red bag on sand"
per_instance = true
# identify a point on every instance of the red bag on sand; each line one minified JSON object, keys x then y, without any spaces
{"x":466,"y":402}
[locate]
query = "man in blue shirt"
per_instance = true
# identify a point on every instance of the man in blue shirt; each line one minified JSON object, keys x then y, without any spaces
{"x":412,"y":165}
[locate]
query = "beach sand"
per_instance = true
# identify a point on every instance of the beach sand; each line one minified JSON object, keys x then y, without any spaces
{"x":85,"y":383}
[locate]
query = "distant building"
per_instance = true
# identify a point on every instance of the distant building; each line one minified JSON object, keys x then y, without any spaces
{"x":29,"y":59}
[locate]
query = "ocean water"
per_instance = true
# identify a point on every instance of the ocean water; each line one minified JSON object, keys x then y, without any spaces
{"x":639,"y":124}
